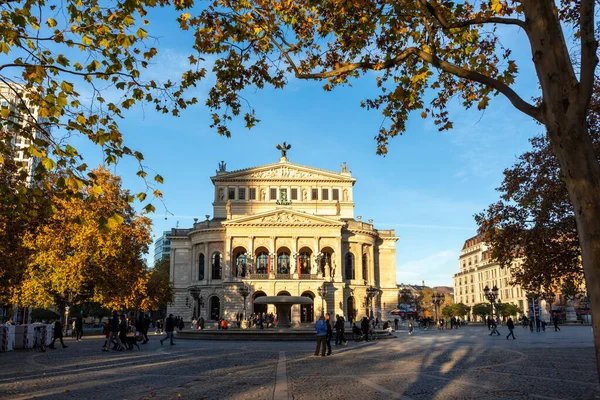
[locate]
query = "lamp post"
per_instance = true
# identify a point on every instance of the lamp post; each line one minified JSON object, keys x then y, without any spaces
{"x":244,"y":292}
{"x":436,"y":300}
{"x":371,"y":292}
{"x":491,"y":295}
{"x":322,"y":291}
{"x":66,"y":326}
{"x":195,"y":293}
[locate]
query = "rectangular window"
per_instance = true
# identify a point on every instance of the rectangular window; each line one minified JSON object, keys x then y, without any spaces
{"x":324,"y":194}
{"x":315,"y":194}
{"x":273,"y":194}
{"x":335,"y":194}
{"x":242,"y":193}
{"x":231,"y":193}
{"x":252,"y":194}
{"x":294,"y":194}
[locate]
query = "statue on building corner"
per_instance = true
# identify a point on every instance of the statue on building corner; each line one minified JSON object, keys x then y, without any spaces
{"x":344,"y":167}
{"x":338,"y":208}
{"x":222,"y":167}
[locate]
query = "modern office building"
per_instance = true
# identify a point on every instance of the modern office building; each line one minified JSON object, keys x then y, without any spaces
{"x":162,"y":247}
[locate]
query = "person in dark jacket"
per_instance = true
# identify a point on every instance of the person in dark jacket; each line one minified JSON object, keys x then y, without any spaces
{"x":329,"y":333}
{"x":339,"y":331}
{"x":147,"y":323}
{"x":114,"y":332}
{"x":511,"y":326}
{"x":58,"y":334}
{"x":364,"y":327}
{"x":169,"y":328}
{"x":79,"y":327}
{"x":123,"y":329}
{"x":555,"y":320}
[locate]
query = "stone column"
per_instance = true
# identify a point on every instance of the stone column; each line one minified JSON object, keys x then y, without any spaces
{"x":206,"y":262}
{"x":371,"y":266}
{"x":273,"y":260}
{"x":358,"y":267}
{"x":251,"y":252}
{"x":226,"y":274}
{"x":295,"y":261}
{"x":339,"y":260}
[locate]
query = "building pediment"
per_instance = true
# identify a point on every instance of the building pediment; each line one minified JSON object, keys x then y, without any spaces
{"x":283,"y":218}
{"x":283,"y":171}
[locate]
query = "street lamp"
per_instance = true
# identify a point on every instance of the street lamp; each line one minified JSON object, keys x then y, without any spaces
{"x":491,"y":295}
{"x":195,"y":293}
{"x":371,"y":292}
{"x":436,"y":300}
{"x":322,"y":291}
{"x":244,"y":292}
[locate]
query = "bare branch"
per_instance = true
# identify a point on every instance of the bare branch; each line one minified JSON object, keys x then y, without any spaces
{"x":589,"y":48}
{"x":433,"y":8}
{"x":445,"y":66}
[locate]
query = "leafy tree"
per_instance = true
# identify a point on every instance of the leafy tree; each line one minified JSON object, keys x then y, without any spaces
{"x":39,"y":314}
{"x":451,"y":49}
{"x":424,"y":302}
{"x":508,"y":310}
{"x":160,"y":289}
{"x":481,"y":309}
{"x":534,"y":222}
{"x":449,"y":311}
{"x":89,"y":250}
{"x":462,"y":309}
{"x":59,"y":59}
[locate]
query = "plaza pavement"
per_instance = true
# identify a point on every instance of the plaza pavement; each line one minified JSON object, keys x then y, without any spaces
{"x":458,"y":364}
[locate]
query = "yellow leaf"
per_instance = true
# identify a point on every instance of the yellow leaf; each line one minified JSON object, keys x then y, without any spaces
{"x":97,"y":190}
{"x":1,"y":159}
{"x":141,"y":33}
{"x":81,"y":119}
{"x":5,"y":112}
{"x":66,"y":87}
{"x":51,"y":22}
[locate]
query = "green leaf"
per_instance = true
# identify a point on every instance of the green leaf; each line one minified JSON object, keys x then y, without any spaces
{"x":48,"y":164}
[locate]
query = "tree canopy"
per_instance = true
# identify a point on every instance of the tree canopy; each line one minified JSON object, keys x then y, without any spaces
{"x":78,"y":255}
{"x":481,"y":309}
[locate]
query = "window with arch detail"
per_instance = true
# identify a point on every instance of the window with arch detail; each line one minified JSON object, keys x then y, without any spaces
{"x":349,"y":266}
{"x":262,"y":262}
{"x":365,"y":267}
{"x":217,"y":260}
{"x":201,"y":267}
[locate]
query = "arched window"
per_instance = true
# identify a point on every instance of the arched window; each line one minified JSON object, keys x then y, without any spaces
{"x":262,"y":262}
{"x":365,"y":267}
{"x":216,"y":265}
{"x":305,"y":263}
{"x":283,"y":262}
{"x":349,"y":266}
{"x":326,"y":260}
{"x":201,"y":267}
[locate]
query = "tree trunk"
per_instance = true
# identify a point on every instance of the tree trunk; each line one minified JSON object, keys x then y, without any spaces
{"x":564,"y":114}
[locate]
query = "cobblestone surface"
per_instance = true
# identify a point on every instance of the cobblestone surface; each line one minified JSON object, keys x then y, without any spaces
{"x":459,"y":364}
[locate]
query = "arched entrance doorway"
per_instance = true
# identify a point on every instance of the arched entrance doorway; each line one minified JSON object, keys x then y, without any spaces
{"x":215,"y":308}
{"x":351,"y":309}
{"x":307,"y":311}
{"x":259,"y":308}
{"x":285,"y":293}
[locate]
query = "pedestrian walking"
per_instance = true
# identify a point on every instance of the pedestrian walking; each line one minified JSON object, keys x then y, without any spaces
{"x":169,"y":328}
{"x":339,"y":331}
{"x":494,"y":328}
{"x":79,"y":327}
{"x":511,"y":326}
{"x":159,"y":327}
{"x":58,"y":334}
{"x":321,"y":334}
{"x":364,"y":327}
{"x":329,"y":333}
{"x":396,"y":323}
{"x":544,"y":325}
{"x":146,"y":327}
{"x":538,"y":324}
{"x":114,"y":333}
{"x":556,"y":327}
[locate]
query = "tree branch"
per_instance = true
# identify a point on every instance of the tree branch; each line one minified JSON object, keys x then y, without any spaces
{"x":589,"y":48}
{"x":445,"y":66}
{"x":433,"y":8}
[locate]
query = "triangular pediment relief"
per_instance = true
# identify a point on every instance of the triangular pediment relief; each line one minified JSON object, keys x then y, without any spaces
{"x":283,"y":171}
{"x":283,"y":217}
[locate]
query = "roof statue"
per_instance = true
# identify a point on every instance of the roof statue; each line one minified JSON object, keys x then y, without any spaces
{"x":222,"y":167}
{"x":284,"y":147}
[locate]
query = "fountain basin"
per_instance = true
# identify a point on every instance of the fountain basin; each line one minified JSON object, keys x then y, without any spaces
{"x":283,"y":305}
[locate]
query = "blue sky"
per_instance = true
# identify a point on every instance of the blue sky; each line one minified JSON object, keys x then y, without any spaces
{"x":427,"y":188}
